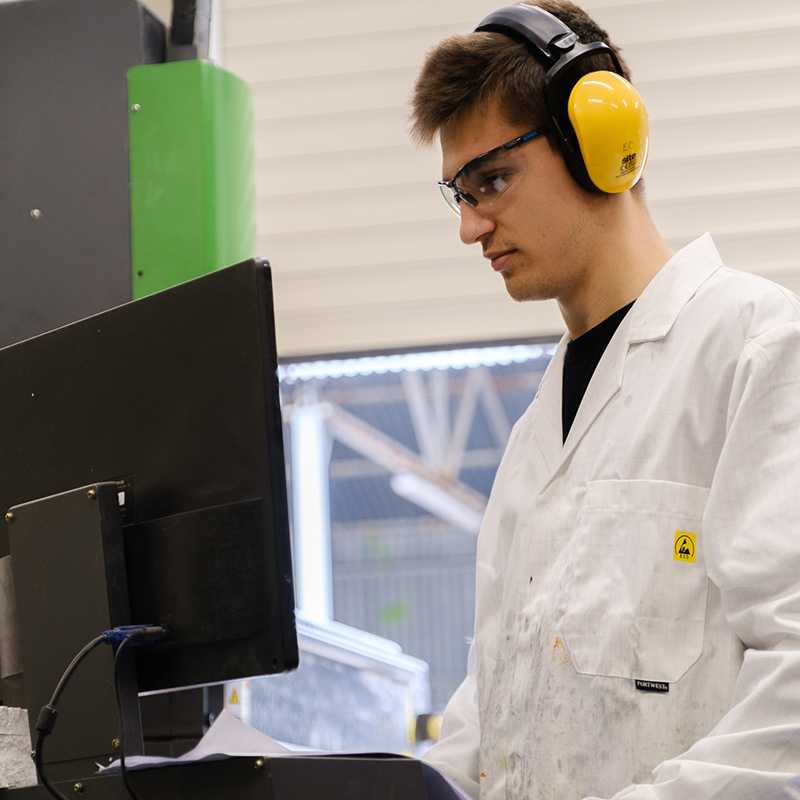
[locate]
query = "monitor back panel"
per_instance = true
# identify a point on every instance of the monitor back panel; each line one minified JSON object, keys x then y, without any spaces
{"x":175,"y":394}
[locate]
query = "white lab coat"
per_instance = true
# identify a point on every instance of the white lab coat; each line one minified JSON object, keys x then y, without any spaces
{"x":691,"y":423}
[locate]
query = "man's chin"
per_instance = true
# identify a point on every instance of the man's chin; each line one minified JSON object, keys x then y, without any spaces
{"x":520,"y":291}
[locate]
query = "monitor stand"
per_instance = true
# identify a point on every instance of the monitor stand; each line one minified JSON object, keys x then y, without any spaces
{"x":70,"y":584}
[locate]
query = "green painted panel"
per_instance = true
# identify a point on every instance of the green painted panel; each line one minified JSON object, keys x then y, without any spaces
{"x":191,"y":172}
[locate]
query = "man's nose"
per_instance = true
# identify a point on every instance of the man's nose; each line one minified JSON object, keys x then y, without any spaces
{"x":473,"y":224}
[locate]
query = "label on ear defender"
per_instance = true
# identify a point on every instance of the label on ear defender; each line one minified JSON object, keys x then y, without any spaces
{"x":628,"y":164}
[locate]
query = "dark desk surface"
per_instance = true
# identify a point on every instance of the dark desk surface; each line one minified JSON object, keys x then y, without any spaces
{"x":296,"y":778}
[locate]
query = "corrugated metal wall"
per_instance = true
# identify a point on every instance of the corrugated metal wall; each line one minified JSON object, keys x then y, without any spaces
{"x":365,"y":252}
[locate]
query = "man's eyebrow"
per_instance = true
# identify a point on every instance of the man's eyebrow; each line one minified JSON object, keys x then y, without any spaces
{"x":465,"y":164}
{"x":455,"y":172}
{"x":482,"y":157}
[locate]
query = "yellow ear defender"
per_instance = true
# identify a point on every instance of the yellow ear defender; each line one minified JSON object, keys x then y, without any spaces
{"x":610,"y":123}
{"x":598,"y":118}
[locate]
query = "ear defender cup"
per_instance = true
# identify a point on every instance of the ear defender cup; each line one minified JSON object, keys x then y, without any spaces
{"x":611,"y":126}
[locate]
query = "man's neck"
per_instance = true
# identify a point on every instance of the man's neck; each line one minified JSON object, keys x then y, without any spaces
{"x":625,"y":257}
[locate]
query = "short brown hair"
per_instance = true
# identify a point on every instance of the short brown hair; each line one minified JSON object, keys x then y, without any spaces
{"x":463,"y":72}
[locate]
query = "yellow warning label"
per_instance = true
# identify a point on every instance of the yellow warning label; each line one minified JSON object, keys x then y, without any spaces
{"x":234,"y":698}
{"x":685,"y":548}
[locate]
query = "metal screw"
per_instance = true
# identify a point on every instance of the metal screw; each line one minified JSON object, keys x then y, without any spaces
{"x":9,"y":517}
{"x":92,"y":493}
{"x":259,"y":763}
{"x":77,"y":788}
{"x":36,"y":213}
{"x":115,"y":743}
{"x":136,"y":108}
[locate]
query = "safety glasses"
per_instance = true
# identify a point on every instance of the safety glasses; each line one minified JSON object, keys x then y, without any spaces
{"x":484,"y":178}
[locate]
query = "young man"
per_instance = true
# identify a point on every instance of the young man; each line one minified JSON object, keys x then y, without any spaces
{"x":637,"y":626}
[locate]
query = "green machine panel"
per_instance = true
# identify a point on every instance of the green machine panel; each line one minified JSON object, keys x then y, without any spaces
{"x":191,"y":172}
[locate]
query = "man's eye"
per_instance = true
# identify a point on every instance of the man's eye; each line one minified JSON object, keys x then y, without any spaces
{"x":494,"y":183}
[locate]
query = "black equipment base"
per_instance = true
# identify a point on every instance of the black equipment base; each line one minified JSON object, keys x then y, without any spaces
{"x":295,"y":778}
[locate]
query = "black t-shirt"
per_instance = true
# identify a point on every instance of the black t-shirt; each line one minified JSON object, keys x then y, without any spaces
{"x":580,"y":361}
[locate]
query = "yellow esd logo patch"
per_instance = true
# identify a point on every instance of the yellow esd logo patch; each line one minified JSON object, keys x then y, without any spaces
{"x":685,"y":548}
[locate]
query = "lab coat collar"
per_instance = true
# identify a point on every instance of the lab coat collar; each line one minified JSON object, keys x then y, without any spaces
{"x":657,"y":308}
{"x":650,"y":319}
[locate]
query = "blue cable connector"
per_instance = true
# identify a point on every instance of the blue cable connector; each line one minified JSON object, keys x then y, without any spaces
{"x":138,"y":634}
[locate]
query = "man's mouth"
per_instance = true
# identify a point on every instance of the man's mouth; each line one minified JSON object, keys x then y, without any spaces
{"x":500,"y":259}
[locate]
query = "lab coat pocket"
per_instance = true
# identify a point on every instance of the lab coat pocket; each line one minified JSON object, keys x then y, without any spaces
{"x":634,"y":602}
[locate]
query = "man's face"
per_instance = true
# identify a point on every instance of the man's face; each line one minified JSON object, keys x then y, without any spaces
{"x":538,"y":234}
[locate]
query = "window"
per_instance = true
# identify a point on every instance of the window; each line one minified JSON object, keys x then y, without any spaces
{"x":391,"y":460}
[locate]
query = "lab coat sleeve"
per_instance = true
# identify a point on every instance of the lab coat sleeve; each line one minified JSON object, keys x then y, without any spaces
{"x":751,"y":532}
{"x":456,"y":753}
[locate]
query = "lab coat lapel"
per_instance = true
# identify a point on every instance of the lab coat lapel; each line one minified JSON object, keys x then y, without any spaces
{"x":650,"y":319}
{"x":605,"y":383}
{"x":547,"y":421}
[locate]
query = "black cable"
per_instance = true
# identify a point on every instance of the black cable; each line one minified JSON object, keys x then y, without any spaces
{"x":122,"y":768}
{"x":40,"y":774}
{"x":46,"y":721}
{"x":82,"y":653}
{"x":47,"y":716}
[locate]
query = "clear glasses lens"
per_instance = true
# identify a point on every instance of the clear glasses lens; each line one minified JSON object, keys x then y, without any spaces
{"x":486,"y":177}
{"x":450,"y":198}
{"x":485,"y":181}
{"x":490,"y":177}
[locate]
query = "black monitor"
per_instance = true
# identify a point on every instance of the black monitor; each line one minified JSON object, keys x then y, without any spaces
{"x":175,"y":397}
